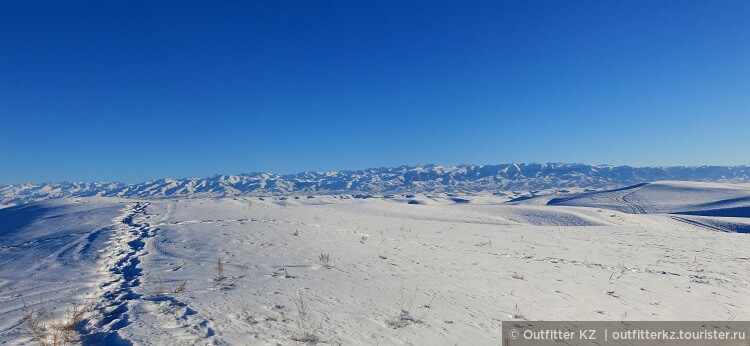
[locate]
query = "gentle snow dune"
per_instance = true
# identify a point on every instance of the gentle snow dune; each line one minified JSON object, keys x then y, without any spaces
{"x":458,"y":268}
{"x":673,"y":197}
{"x":723,"y":207}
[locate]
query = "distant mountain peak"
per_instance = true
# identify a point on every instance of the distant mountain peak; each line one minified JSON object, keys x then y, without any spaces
{"x":402,"y":179}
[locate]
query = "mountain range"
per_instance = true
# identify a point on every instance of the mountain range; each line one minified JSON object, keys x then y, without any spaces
{"x":428,"y":178}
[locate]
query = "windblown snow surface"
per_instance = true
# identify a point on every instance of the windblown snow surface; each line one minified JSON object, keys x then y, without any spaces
{"x":409,"y":269}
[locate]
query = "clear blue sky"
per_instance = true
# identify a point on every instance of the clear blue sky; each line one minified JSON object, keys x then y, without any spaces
{"x":136,"y":90}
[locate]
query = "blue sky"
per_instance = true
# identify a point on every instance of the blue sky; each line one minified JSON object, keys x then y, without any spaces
{"x":136,"y":90}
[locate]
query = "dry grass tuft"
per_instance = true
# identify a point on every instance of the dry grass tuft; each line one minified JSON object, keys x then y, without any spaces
{"x":517,"y":314}
{"x":325,"y":260}
{"x":406,"y":316}
{"x":306,"y":322}
{"x":47,"y":331}
{"x":219,"y":270}
{"x":181,"y":288}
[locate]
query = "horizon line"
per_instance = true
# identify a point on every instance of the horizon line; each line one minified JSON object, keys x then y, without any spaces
{"x":365,"y":169}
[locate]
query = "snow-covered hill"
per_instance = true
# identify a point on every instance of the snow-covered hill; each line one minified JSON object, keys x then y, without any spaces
{"x":465,"y":178}
{"x":437,"y":273}
{"x":669,"y":197}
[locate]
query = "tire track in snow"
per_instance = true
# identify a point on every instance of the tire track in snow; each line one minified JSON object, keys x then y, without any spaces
{"x":635,"y":208}
{"x":695,"y":223}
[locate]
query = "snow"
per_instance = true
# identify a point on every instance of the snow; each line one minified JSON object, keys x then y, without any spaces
{"x":674,"y":197}
{"x":458,"y":269}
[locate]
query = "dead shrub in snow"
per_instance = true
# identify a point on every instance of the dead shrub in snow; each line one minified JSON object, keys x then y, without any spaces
{"x":484,"y":243}
{"x":48,"y":331}
{"x":158,"y":287}
{"x":181,"y":288}
{"x":219,"y":270}
{"x":325,"y":260}
{"x":223,"y":282}
{"x":429,"y":305}
{"x":34,"y":321}
{"x":306,"y":322}
{"x":620,"y":271}
{"x":406,"y":316}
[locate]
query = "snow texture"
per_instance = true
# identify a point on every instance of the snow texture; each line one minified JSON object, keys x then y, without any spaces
{"x":444,"y":270}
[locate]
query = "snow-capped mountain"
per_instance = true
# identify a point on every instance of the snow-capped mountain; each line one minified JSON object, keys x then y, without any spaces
{"x":464,"y":178}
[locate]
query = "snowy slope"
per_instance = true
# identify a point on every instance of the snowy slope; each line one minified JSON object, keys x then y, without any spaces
{"x":49,"y":253}
{"x":404,"y":179}
{"x":673,"y":197}
{"x":457,"y":269}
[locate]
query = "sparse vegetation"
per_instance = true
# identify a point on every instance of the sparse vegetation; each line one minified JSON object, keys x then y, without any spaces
{"x":219,"y":270}
{"x":159,"y":290}
{"x":325,"y":260}
{"x":484,"y":243}
{"x":622,"y":271}
{"x":48,"y":331}
{"x":406,"y":316}
{"x":158,"y":287}
{"x":429,"y":305}
{"x":306,"y":321}
{"x":223,"y":282}
{"x":612,"y":294}
{"x":181,"y":288}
